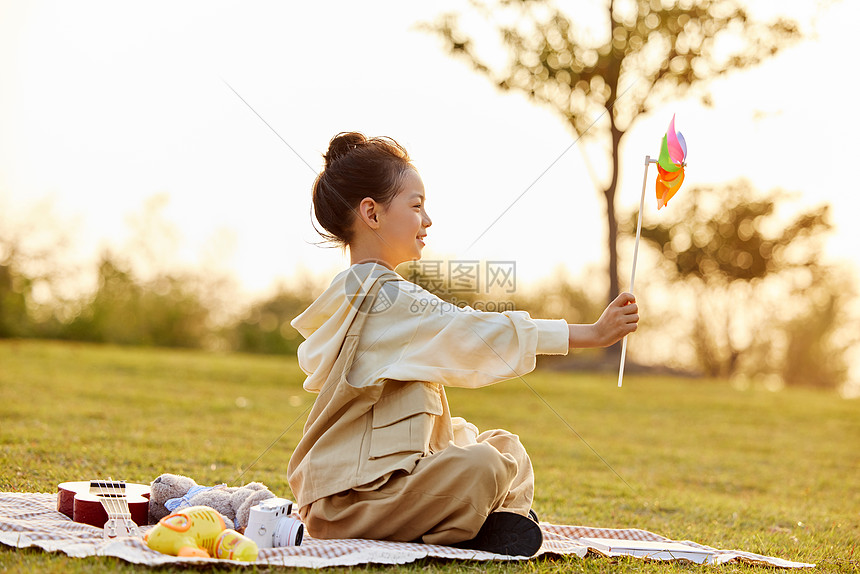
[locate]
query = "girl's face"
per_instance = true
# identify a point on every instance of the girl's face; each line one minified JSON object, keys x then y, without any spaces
{"x":403,"y":223}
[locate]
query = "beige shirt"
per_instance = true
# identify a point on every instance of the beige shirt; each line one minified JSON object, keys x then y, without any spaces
{"x":380,"y":375}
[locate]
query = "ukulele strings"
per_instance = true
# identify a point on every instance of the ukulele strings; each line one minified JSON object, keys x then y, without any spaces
{"x":104,"y":496}
{"x":112,"y":496}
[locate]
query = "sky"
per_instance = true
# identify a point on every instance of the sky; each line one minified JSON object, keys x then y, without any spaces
{"x":106,"y":107}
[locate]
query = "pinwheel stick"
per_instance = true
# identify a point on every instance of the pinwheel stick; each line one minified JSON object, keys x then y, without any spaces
{"x":648,"y":161}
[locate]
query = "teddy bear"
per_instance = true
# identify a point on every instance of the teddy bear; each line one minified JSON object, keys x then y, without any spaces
{"x":171,"y":492}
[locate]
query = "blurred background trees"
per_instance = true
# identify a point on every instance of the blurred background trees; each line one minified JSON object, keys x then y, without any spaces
{"x":645,"y":53}
{"x":750,"y":297}
{"x":755,"y":294}
{"x":735,"y":289}
{"x":265,"y":325}
{"x":165,"y":311}
{"x":33,"y":250}
{"x":741,"y":292}
{"x":15,"y":291}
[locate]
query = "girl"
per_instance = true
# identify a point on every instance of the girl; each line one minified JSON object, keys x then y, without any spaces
{"x":381,"y":456}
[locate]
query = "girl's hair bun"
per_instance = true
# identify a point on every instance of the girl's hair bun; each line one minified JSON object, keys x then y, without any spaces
{"x":342,"y":144}
{"x":356,"y":167}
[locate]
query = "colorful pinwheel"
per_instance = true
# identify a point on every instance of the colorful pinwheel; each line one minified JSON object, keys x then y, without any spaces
{"x":670,"y":165}
{"x":670,"y":176}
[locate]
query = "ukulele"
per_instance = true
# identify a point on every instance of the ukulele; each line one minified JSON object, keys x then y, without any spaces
{"x":114,"y":505}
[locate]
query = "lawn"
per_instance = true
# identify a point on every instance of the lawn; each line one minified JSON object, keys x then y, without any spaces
{"x":776,"y":473}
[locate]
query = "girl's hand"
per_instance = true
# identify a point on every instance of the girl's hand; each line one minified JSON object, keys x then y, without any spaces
{"x":618,"y":320}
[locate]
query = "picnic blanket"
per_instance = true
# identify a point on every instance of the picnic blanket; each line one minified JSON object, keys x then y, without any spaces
{"x":32,"y":519}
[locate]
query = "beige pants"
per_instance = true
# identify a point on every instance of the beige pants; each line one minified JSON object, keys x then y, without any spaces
{"x":444,"y":500}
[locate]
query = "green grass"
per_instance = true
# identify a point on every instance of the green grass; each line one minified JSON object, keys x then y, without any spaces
{"x":771,"y":473}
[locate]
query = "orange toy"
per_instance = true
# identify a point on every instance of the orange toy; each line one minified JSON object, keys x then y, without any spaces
{"x":199,"y":531}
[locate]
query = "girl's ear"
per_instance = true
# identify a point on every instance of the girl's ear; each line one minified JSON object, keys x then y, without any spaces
{"x":368,"y":212}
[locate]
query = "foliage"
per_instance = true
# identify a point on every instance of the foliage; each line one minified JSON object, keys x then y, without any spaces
{"x":763,"y":300}
{"x":820,"y":336}
{"x":645,"y":52}
{"x":720,"y":235}
{"x":15,"y":289}
{"x":165,"y":311}
{"x":265,"y":327}
{"x":144,"y":297}
{"x":31,"y":249}
{"x":772,"y":473}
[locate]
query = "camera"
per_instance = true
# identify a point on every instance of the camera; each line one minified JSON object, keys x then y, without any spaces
{"x":270,"y":525}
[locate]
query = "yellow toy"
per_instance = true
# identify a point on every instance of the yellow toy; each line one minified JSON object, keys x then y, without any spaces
{"x":199,"y":531}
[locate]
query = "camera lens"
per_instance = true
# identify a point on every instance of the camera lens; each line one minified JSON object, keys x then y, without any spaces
{"x":288,"y":532}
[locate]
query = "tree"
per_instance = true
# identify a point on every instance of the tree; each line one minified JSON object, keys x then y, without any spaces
{"x":33,"y":251}
{"x":761,"y":300}
{"x":15,"y":289}
{"x":645,"y":52}
{"x":266,"y":328}
{"x":165,"y":311}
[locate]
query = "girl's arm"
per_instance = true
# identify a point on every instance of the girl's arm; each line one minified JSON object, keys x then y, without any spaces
{"x":618,"y":319}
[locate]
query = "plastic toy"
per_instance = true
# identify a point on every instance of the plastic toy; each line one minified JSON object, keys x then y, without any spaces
{"x":200,"y":531}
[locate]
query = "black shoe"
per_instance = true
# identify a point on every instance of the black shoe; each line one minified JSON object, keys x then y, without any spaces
{"x":507,"y":533}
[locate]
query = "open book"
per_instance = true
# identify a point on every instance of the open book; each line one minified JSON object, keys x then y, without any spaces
{"x":650,"y":550}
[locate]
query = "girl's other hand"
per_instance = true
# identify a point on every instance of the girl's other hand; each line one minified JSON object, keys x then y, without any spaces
{"x":619,"y":319}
